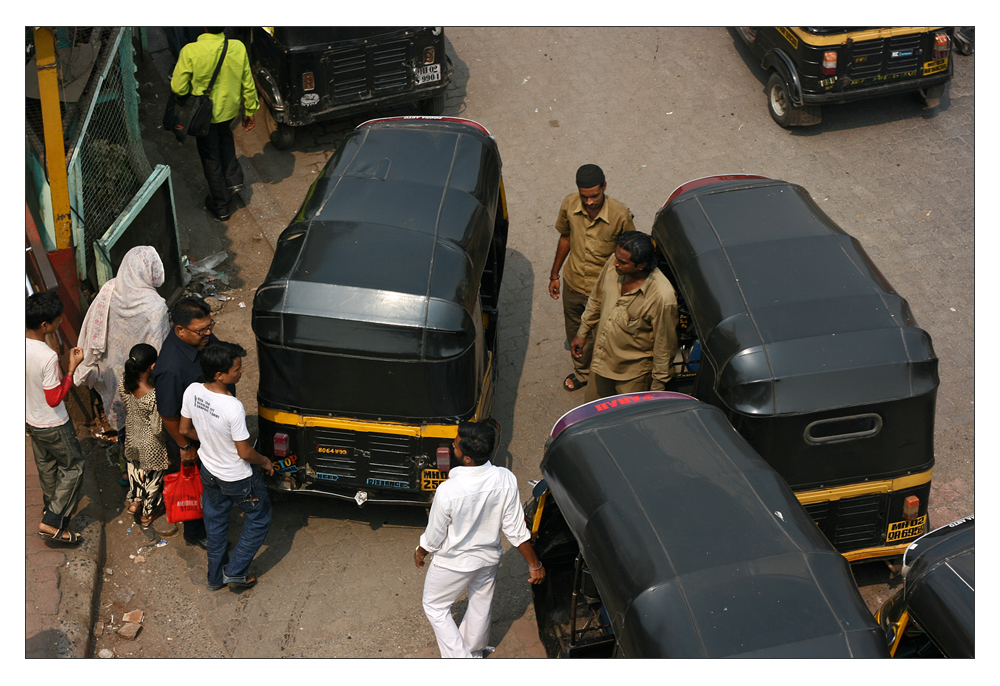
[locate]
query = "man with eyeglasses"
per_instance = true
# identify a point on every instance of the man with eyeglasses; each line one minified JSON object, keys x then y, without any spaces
{"x":177,"y":367}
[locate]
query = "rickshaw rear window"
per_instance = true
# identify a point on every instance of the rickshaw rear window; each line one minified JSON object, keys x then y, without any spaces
{"x":843,"y":428}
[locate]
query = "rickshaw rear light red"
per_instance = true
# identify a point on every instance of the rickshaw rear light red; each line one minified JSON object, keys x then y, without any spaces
{"x":910,"y":507}
{"x":444,"y":459}
{"x":830,"y":62}
{"x":942,"y":43}
{"x":308,"y":81}
{"x":281,"y":445}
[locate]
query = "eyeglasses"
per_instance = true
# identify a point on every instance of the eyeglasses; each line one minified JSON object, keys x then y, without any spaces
{"x":202,"y":331}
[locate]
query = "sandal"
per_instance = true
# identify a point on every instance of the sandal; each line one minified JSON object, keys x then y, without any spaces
{"x":146,"y":522}
{"x":573,"y":384}
{"x":71,"y":538}
{"x":133,"y":507}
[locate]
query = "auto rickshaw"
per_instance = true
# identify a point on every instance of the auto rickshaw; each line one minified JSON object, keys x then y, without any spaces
{"x":376,"y":324}
{"x":934,"y":615}
{"x":664,"y":534}
{"x":306,"y":74}
{"x":810,"y":353}
{"x":809,"y":66}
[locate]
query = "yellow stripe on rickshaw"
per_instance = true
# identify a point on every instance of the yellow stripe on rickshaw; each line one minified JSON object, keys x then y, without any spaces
{"x":422,"y":430}
{"x":856,"y":36}
{"x":823,"y":495}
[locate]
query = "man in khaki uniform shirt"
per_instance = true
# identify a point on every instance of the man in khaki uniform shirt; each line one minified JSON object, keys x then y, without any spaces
{"x":589,"y":223}
{"x":633,"y":308}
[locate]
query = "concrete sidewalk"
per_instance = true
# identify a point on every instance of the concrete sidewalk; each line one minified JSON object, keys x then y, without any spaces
{"x":60,"y":582}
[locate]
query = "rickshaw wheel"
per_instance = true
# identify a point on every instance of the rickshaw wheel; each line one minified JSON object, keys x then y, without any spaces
{"x":783,"y":112}
{"x":433,"y":107}
{"x":282,"y":135}
{"x":747,"y":33}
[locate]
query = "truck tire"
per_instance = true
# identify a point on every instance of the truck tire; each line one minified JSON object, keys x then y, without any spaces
{"x":783,"y":112}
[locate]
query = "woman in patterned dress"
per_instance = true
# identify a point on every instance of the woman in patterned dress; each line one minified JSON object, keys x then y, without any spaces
{"x":145,"y":436}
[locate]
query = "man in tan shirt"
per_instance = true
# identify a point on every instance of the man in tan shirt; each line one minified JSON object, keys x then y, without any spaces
{"x":633,"y":308}
{"x":589,"y":223}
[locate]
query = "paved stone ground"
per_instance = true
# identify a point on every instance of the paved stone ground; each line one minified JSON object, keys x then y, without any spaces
{"x":654,"y":107}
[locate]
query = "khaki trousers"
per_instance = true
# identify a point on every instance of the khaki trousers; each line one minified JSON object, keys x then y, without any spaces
{"x":60,"y":471}
{"x":602,"y":387}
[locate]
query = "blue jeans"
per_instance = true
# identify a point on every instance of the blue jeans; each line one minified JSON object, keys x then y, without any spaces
{"x":218,"y":499}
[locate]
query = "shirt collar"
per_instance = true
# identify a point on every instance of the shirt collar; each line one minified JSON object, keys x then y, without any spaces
{"x":468,"y":470}
{"x":642,"y":287}
{"x":188,"y":351}
{"x":601,"y":216}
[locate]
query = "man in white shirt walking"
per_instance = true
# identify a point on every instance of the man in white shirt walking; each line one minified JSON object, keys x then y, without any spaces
{"x":470,"y":509}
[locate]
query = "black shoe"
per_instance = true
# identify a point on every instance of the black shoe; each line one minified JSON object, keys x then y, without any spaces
{"x":220,"y":217}
{"x":200,"y":542}
{"x":215,"y":587}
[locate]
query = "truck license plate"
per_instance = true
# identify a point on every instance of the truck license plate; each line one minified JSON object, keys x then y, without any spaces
{"x":430,"y":479}
{"x":431,"y":72}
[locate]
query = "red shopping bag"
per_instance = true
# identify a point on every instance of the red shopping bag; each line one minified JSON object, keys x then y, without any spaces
{"x":182,"y":494}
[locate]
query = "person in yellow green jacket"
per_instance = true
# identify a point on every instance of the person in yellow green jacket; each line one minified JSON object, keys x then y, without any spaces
{"x":195,"y":65}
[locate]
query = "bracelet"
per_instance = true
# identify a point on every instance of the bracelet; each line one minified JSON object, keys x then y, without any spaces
{"x":553,"y":278}
{"x":535,"y":569}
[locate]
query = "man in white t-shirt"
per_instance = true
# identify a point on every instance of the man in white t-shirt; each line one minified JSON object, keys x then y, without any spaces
{"x":212,"y":415}
{"x":470,"y":509}
{"x":53,"y":437}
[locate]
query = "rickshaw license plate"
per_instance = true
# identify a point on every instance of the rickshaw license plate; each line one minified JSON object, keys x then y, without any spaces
{"x":430,"y":479}
{"x":900,"y":531}
{"x":428,"y":74}
{"x":935,"y":66}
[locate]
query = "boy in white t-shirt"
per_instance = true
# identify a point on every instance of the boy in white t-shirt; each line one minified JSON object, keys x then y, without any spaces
{"x":213,"y":416}
{"x":53,"y":437}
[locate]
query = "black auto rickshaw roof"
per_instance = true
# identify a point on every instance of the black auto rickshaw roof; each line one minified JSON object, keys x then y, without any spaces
{"x":697,"y":547}
{"x":789,"y":308}
{"x":939,"y":571}
{"x":385,"y":256}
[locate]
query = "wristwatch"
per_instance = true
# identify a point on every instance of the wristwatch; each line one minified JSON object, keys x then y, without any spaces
{"x":187,"y":447}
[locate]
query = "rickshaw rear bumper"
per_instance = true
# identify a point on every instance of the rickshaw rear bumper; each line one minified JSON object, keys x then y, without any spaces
{"x":903,"y":86}
{"x":297,"y":114}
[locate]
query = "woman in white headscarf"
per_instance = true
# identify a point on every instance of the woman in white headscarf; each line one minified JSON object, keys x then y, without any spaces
{"x":127,"y":311}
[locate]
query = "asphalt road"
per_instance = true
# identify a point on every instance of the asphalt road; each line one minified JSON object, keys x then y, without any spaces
{"x":654,"y":107}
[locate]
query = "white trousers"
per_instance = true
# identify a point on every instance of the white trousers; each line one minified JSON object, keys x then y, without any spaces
{"x":441,"y":589}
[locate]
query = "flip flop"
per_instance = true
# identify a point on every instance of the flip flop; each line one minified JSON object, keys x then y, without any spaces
{"x":571,"y":383}
{"x":58,"y":539}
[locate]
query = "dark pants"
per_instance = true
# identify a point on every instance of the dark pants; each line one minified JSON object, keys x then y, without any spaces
{"x":218,"y":499}
{"x":573,"y":306}
{"x":222,"y":171}
{"x":60,"y":471}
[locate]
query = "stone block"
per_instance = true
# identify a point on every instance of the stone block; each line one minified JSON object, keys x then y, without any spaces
{"x":130,"y":631}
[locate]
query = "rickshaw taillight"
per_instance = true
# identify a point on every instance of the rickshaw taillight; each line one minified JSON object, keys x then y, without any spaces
{"x":444,"y":459}
{"x":910,"y":507}
{"x":308,"y":81}
{"x":429,"y":55}
{"x":830,"y":62}
{"x":941,"y":45}
{"x":281,"y":445}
